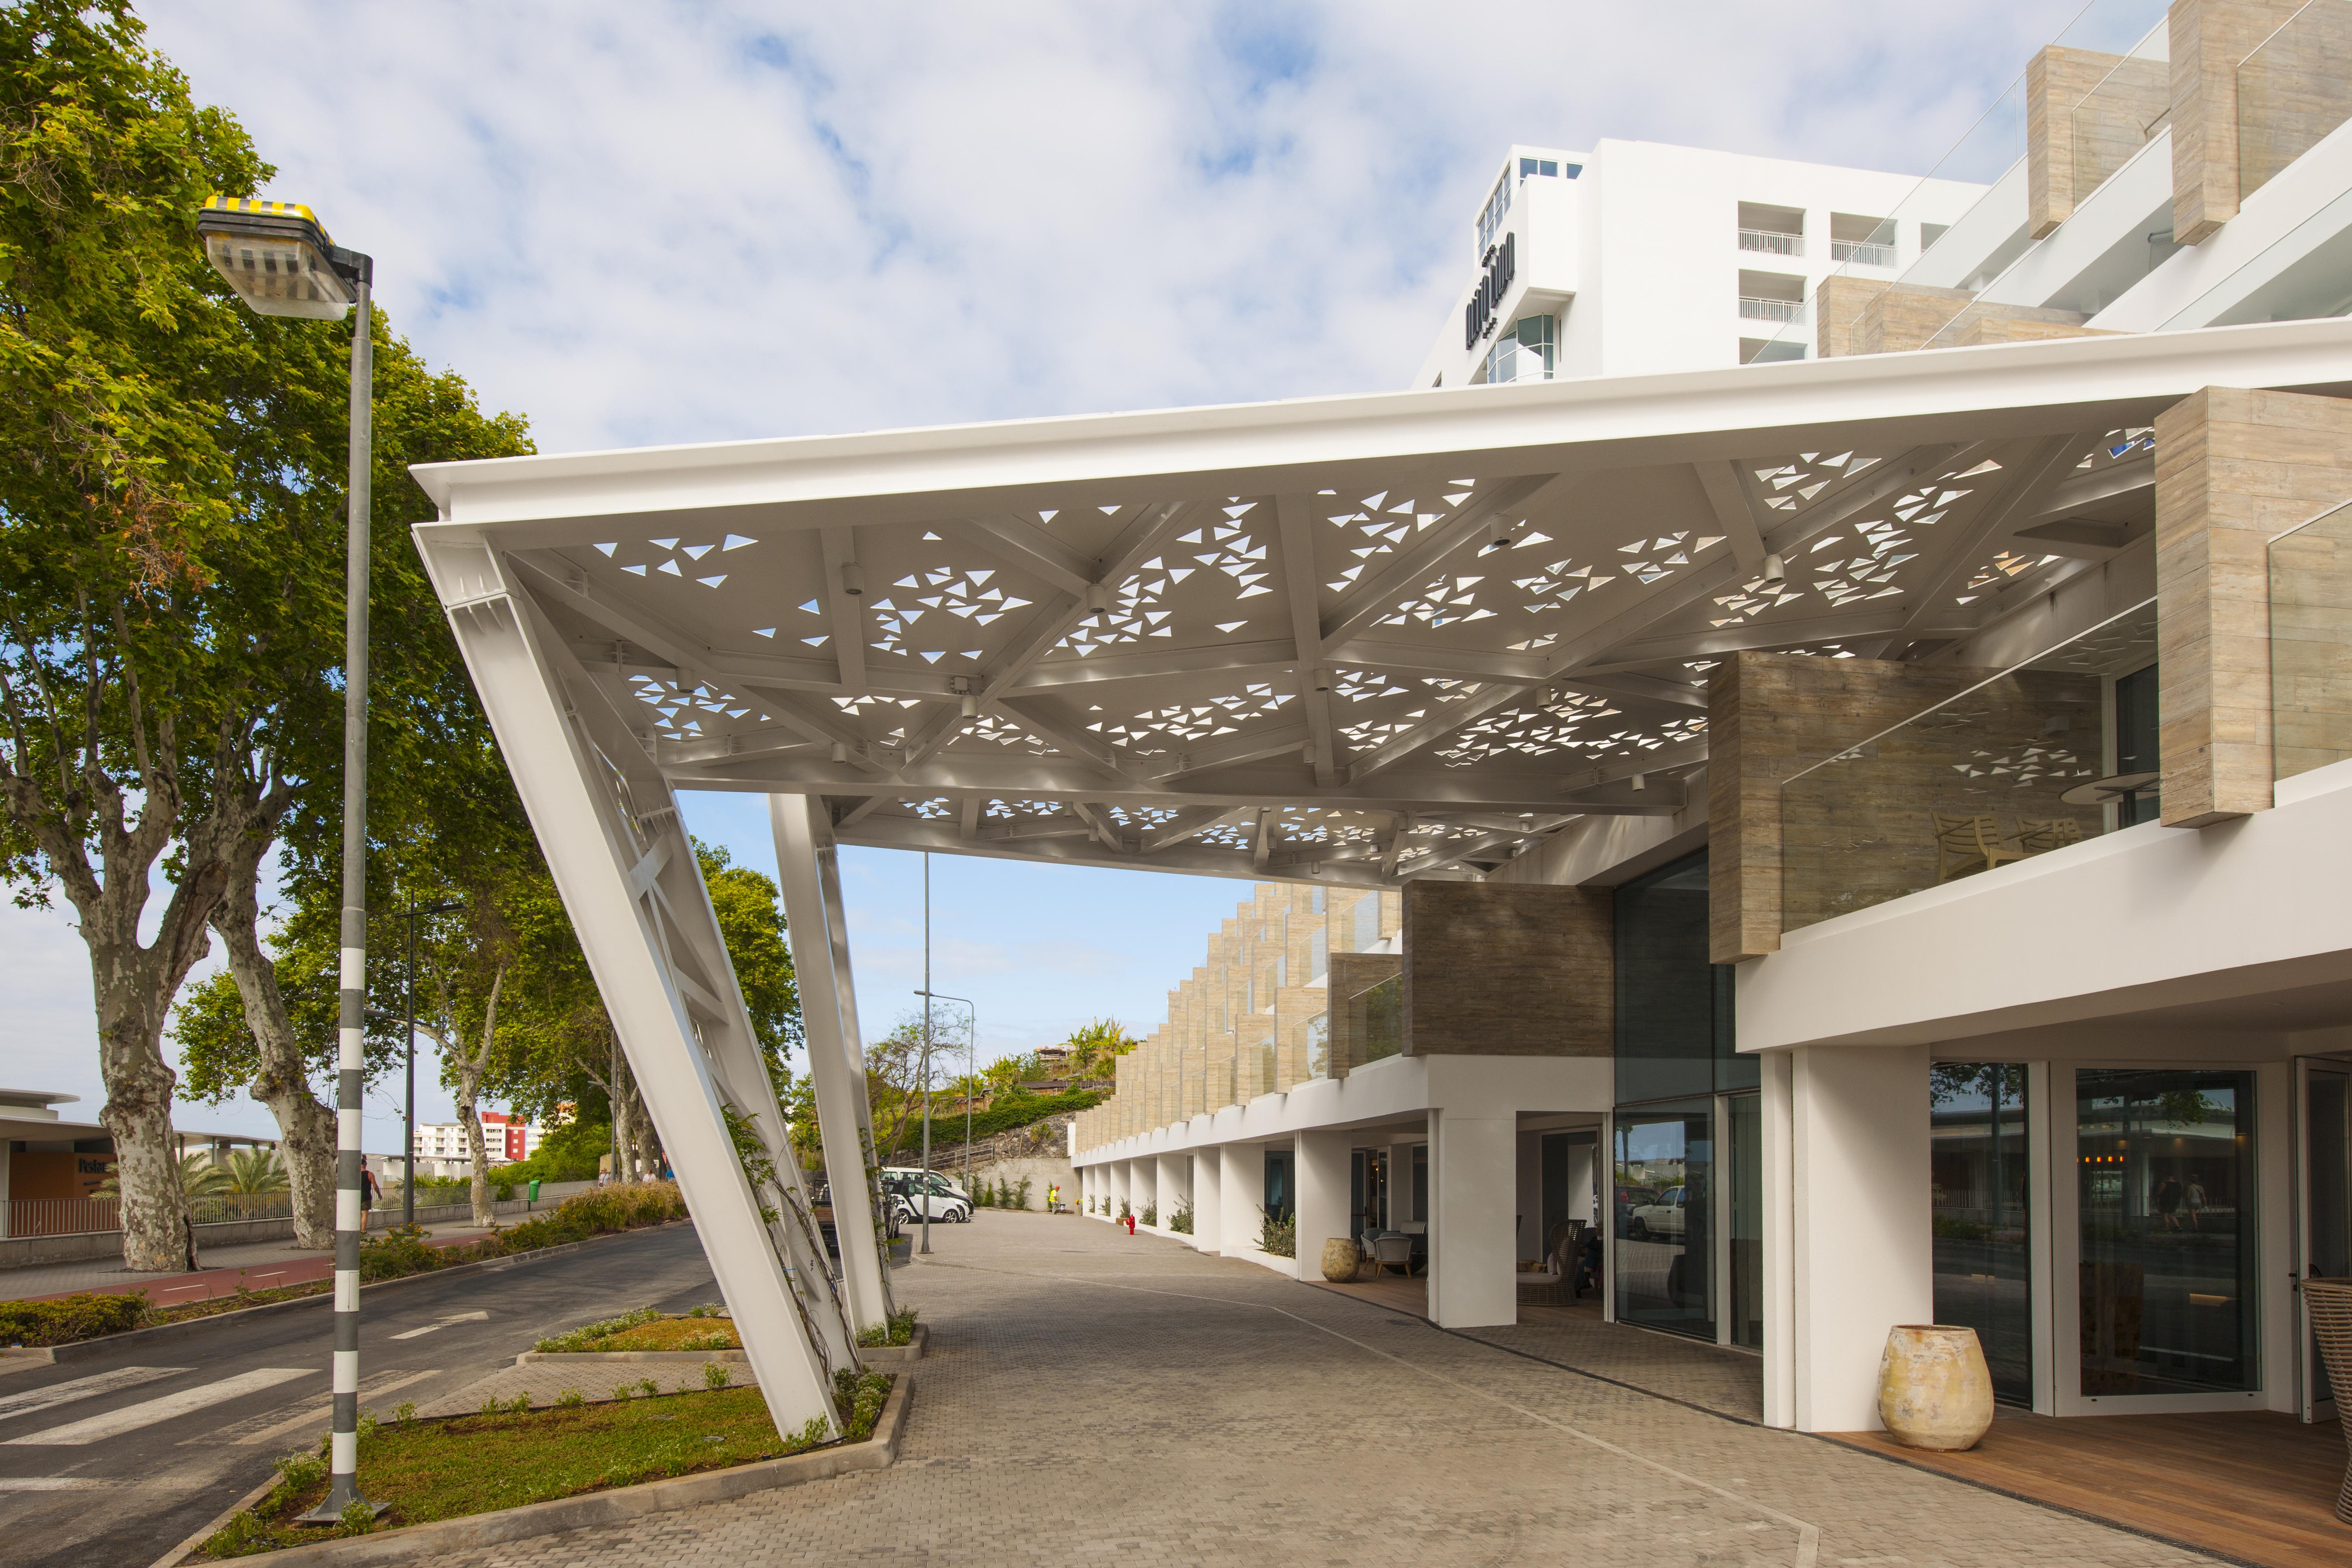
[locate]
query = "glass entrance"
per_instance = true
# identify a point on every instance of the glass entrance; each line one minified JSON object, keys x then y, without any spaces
{"x":2165,"y":1164}
{"x":1665,"y":1231}
{"x":1977,"y":1131}
{"x":2326,"y":1207}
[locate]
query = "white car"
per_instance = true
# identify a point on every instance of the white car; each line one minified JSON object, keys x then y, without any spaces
{"x":915,"y":1192}
{"x":1663,"y":1217}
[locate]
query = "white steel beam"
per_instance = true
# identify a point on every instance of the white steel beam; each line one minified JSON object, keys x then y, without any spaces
{"x":819,"y":934}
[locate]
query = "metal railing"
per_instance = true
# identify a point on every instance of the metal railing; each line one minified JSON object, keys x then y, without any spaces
{"x":84,"y":1216}
{"x":1752,"y":308}
{"x":1863,"y":252}
{"x":1772,"y":240}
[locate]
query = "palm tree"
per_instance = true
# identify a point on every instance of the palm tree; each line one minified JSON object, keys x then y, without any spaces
{"x":257,"y":1170}
{"x":1094,"y":1047}
{"x":200,"y":1176}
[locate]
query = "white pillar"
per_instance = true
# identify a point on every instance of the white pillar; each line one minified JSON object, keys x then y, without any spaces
{"x":819,"y":933}
{"x":1209,"y":1201}
{"x":1777,"y":1127}
{"x":1860,"y":1238}
{"x":1240,"y":1195}
{"x":1321,"y":1172}
{"x":1473,"y":1198}
{"x":1169,"y":1182}
{"x":1143,"y":1180}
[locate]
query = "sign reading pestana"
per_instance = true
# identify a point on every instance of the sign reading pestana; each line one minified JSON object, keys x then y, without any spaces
{"x":1502,"y":264}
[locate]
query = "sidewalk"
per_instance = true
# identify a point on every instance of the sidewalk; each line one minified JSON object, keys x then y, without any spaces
{"x":261,"y":1266}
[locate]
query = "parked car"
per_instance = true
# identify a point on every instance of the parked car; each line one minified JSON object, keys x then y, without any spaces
{"x":913,"y":1193}
{"x":1662,"y":1216}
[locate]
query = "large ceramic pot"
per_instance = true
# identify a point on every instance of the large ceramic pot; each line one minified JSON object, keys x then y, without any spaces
{"x":2330,"y":1302}
{"x":1340,"y":1258}
{"x":1934,"y":1388}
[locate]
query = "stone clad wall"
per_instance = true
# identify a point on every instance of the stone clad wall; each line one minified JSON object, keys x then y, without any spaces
{"x":1508,"y":970}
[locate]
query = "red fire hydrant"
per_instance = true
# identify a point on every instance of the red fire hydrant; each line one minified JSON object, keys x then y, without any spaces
{"x":1131,"y":1224}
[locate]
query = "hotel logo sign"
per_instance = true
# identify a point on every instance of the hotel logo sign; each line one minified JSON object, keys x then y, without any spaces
{"x":1502,"y":264}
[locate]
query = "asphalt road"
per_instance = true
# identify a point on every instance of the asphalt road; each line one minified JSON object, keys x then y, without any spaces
{"x":116,"y":1459}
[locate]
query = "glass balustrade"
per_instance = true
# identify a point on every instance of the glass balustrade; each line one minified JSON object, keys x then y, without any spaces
{"x":2114,"y":120}
{"x":2015,"y":762}
{"x":2294,"y":89}
{"x":2311,"y":644}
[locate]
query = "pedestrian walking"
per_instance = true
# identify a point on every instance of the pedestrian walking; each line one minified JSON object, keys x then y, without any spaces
{"x":369,"y":1192}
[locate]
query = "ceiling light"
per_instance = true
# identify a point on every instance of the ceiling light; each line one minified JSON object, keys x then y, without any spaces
{"x":1775,"y":577}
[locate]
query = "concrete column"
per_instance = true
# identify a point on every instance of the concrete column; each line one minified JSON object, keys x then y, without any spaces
{"x":1240,"y":1195}
{"x":1172,"y":1181}
{"x":1321,"y":1170}
{"x":1209,"y":1201}
{"x":1778,"y":1129}
{"x":1862,"y":1251}
{"x":1474,"y":1188}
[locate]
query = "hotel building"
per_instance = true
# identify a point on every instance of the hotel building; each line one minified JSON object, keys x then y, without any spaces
{"x":1854,"y":825}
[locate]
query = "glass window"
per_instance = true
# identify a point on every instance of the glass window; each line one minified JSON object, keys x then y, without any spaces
{"x":2165,"y":1163}
{"x":1976,"y":1121}
{"x":1747,"y":1306}
{"x":1664,"y":1176}
{"x":1549,"y":168}
{"x":1674,"y":1008}
{"x":1367,"y":921}
{"x":1528,"y":166}
{"x":2138,"y":744}
{"x":1319,"y":955}
{"x":1277,"y":1184}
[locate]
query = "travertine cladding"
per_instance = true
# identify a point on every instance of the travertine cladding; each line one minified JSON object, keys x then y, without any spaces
{"x":2210,"y":40}
{"x":1237,"y":1028}
{"x":2056,"y":81}
{"x":2294,"y":89}
{"x":2311,"y":647}
{"x":1771,"y":715}
{"x":1508,"y":970}
{"x":1863,"y":316}
{"x":2234,"y":469}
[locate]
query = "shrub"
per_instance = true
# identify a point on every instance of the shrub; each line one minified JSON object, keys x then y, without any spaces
{"x":70,"y":1318}
{"x":1277,"y":1237}
{"x":585,"y":1336}
{"x":897,"y":1330}
{"x":714,"y":1374}
{"x":1181,"y":1222}
{"x":859,"y":1398}
{"x":1151,"y":1214}
{"x":1123,"y":1210}
{"x":1021,"y":1194}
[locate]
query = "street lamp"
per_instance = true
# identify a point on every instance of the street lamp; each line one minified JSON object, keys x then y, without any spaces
{"x":277,"y":257}
{"x":408,"y":1041}
{"x":970,"y":1030}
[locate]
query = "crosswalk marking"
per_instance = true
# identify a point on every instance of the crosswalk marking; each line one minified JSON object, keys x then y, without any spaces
{"x":33,"y":1399}
{"x":276,"y":1425}
{"x":131,"y":1417}
{"x":445,"y":1323}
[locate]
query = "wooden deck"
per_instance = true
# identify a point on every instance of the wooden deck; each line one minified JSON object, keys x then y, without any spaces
{"x":2254,"y":1486}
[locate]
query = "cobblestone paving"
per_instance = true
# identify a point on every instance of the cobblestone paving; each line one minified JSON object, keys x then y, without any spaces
{"x":1089,"y":1398}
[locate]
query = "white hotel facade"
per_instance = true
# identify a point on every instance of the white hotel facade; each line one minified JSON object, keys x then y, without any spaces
{"x":1852,"y":808}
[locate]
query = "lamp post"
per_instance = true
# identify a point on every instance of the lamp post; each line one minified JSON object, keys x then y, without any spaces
{"x":408,"y":1043}
{"x":277,"y":257}
{"x":971,"y":1030}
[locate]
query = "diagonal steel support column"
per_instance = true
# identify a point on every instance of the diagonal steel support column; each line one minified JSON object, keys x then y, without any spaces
{"x":808,"y":870}
{"x":643,"y":938}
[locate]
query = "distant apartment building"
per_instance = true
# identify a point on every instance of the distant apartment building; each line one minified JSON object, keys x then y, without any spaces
{"x":1636,"y":258}
{"x":505,"y":1139}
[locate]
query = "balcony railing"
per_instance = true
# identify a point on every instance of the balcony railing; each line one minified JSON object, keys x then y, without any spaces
{"x":2018,"y":763}
{"x":2311,"y":645}
{"x":1752,"y":308}
{"x":1772,"y":240}
{"x":2293,"y":90}
{"x":1863,"y":252}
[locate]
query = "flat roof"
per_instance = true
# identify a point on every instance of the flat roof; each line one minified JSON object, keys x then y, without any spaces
{"x":1365,"y":637}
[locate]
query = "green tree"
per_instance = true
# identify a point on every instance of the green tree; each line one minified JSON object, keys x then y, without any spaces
{"x":1095,"y":1047}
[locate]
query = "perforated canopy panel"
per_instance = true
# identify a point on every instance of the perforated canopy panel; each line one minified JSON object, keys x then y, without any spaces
{"x":1380,"y":636}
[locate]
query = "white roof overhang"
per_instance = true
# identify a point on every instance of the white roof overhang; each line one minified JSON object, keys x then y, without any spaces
{"x":1367,"y":638}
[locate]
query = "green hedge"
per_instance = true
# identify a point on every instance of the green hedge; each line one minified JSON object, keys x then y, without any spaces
{"x":1007,"y":1114}
{"x":70,"y":1317}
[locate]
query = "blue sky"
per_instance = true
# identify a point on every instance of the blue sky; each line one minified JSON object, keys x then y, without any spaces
{"x":641,"y":223}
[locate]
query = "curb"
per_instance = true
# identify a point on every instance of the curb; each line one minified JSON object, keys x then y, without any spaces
{"x":132,"y":1339}
{"x":413,"y":1542}
{"x":908,"y":1354}
{"x":572,"y":1358}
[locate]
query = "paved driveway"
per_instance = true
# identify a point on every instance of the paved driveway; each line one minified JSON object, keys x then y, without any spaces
{"x":1093,"y":1398}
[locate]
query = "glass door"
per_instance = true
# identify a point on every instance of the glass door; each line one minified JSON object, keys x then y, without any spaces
{"x":2323,"y":1218}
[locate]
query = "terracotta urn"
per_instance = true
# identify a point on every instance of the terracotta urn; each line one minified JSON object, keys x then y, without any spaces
{"x":1934,"y":1388}
{"x":1340,"y":1258}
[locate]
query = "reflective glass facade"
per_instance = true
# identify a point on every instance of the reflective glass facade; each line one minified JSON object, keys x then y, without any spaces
{"x":1664,"y":1203}
{"x":1982,"y":1217}
{"x":1674,"y":1034}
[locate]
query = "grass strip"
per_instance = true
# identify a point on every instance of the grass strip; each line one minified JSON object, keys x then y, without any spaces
{"x":511,"y":1455}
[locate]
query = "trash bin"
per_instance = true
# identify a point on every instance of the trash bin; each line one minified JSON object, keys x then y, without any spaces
{"x":532,"y":1196}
